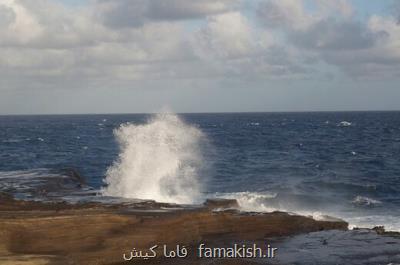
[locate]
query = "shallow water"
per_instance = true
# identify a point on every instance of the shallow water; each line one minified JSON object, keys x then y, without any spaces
{"x":345,"y":164}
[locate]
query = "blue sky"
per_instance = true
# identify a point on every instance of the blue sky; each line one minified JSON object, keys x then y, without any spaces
{"x":113,"y":56}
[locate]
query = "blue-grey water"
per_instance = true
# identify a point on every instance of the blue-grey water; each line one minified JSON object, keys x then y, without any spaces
{"x":345,"y":164}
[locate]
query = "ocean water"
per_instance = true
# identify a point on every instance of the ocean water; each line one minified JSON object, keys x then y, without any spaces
{"x":344,"y":164}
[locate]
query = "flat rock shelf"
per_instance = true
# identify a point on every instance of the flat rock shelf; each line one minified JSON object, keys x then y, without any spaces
{"x":98,"y":233}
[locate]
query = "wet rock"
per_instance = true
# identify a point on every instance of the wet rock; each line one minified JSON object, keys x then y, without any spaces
{"x":75,"y":175}
{"x":216,"y":204}
{"x":380,"y":230}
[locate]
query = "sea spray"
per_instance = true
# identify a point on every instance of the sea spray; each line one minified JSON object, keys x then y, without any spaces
{"x":161,"y":160}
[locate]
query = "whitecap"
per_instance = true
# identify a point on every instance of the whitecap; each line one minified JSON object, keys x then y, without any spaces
{"x":254,"y":124}
{"x":344,"y":124}
{"x":365,"y":201}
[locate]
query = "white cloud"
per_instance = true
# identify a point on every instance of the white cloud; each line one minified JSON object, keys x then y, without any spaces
{"x":338,"y":7}
{"x":47,"y":44}
{"x":135,"y":13}
{"x":22,"y":28}
{"x":7,"y":16}
{"x":332,"y":33}
{"x":184,"y":9}
{"x":287,"y":14}
{"x":226,"y":36}
{"x":231,"y":46}
{"x":47,"y":24}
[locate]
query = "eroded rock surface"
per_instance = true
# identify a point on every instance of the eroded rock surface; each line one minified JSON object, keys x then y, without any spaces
{"x":94,"y":233}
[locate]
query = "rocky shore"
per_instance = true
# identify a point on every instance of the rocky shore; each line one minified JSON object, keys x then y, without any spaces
{"x":97,"y":233}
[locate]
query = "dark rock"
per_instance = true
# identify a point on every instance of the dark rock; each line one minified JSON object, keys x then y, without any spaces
{"x":74,"y":174}
{"x":215,"y":204}
{"x":380,"y":230}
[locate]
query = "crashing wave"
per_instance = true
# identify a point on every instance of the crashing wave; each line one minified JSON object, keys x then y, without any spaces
{"x":161,"y":160}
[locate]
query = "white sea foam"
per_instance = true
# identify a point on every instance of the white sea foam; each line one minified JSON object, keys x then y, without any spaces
{"x":269,"y":202}
{"x":390,"y":222}
{"x":344,"y":124}
{"x":254,"y":124}
{"x":365,"y":201}
{"x":261,"y":202}
{"x":161,"y":160}
{"x":250,"y":201}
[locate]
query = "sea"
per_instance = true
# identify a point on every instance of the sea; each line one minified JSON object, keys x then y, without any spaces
{"x":341,"y":164}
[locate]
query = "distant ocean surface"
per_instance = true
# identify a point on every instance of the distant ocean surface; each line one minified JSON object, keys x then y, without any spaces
{"x":344,"y":164}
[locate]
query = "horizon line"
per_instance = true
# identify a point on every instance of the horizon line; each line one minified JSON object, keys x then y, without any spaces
{"x":202,"y":112}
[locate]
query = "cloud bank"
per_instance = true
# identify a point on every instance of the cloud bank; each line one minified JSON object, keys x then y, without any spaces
{"x":50,"y":45}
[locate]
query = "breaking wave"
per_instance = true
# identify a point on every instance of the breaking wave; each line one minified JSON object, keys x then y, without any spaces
{"x":161,"y":160}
